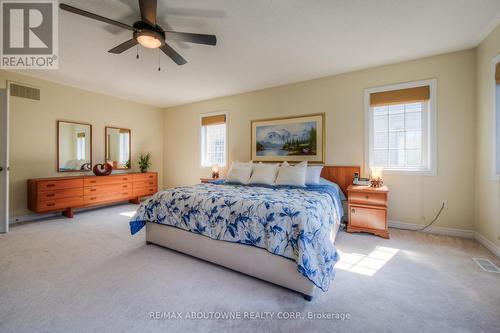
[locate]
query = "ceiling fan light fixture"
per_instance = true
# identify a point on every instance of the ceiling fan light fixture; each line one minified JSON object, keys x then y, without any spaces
{"x":149,"y":38}
{"x":150,"y":42}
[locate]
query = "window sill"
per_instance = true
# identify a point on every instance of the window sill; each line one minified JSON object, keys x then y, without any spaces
{"x":405,"y":172}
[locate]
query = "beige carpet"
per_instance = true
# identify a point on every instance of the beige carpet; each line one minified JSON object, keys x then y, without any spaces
{"x":88,"y":274}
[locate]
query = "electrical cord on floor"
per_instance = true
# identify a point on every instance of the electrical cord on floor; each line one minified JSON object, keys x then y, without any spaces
{"x":428,"y":225}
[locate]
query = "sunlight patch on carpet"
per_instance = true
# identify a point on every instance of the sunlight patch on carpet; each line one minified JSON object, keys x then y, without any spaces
{"x":366,"y":264}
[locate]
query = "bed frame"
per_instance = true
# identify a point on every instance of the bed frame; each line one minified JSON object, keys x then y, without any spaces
{"x":249,"y":260}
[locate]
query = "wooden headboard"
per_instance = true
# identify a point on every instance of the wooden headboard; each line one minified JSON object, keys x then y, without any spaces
{"x":341,"y":175}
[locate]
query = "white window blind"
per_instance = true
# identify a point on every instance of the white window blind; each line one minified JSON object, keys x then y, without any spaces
{"x":213,"y":141}
{"x":399,"y":133}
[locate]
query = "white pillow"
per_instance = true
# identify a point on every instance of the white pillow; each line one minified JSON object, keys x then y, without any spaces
{"x":239,"y":172}
{"x":264,"y":174}
{"x":292,"y":175}
{"x":313,"y":174}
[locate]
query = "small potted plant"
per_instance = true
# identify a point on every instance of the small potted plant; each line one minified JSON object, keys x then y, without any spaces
{"x":145,"y":162}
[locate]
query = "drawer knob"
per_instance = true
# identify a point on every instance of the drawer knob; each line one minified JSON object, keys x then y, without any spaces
{"x":366,"y":197}
{"x":51,"y":185}
{"x":92,"y":190}
{"x":353,"y":210}
{"x":93,"y":198}
{"x":50,"y":204}
{"x":92,"y":181}
{"x":50,"y":195}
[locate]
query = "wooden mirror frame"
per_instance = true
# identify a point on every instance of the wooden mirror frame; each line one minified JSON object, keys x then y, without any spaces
{"x":129,"y":145}
{"x":57,"y":138}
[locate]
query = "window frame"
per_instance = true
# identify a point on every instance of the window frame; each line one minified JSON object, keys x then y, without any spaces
{"x":208,"y":114}
{"x":432,"y":127}
{"x":494,"y":101}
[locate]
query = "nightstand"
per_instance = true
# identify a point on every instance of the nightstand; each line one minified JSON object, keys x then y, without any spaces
{"x":207,"y":180}
{"x":368,"y":210}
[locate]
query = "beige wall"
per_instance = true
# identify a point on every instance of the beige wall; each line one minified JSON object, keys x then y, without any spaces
{"x":487,"y":197}
{"x":413,"y":199}
{"x":33,"y":130}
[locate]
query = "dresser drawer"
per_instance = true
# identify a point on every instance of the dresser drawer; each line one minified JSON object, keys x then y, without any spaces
{"x":144,"y":176}
{"x":60,"y":194}
{"x":59,"y":184}
{"x":107,"y":180}
{"x":140,"y":192}
{"x":95,"y":199}
{"x":378,"y":199}
{"x":107,"y":189}
{"x":365,"y":217}
{"x":143,"y":184}
{"x":45,"y":206}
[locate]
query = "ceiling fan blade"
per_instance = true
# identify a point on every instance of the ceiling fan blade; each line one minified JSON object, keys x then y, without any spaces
{"x":82,"y":12}
{"x":148,"y":10}
{"x":192,"y":38}
{"x":123,"y":46}
{"x":176,"y":57}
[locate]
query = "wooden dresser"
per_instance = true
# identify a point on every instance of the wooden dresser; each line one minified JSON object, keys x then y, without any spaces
{"x":66,"y":193}
{"x":368,"y":210}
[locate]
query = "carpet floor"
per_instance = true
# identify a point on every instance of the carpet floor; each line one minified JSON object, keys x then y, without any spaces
{"x":88,"y":274}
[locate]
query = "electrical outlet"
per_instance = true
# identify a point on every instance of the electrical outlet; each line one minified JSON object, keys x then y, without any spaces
{"x":444,"y":203}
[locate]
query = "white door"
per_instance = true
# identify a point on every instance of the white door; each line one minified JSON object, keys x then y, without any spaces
{"x":4,"y":161}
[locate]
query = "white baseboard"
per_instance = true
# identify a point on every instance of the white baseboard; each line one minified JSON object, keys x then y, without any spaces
{"x":495,"y":249}
{"x":463,"y":233}
{"x":30,"y":217}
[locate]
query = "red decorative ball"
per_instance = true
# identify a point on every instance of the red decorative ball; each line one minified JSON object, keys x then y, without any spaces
{"x":102,"y":169}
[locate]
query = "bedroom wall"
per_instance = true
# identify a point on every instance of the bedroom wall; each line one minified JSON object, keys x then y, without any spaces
{"x":413,"y":199}
{"x":487,"y":207}
{"x":33,"y":138}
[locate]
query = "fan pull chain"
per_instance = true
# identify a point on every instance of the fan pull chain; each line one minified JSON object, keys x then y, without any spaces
{"x":137,"y":56}
{"x":159,"y":67}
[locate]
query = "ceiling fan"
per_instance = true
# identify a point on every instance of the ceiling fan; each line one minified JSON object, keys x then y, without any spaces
{"x":147,"y":32}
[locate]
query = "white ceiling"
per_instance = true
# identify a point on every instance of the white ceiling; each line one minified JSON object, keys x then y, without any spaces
{"x":261,"y":43}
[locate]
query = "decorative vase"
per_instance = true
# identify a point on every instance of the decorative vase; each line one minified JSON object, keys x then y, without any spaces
{"x":144,"y":170}
{"x":102,"y":169}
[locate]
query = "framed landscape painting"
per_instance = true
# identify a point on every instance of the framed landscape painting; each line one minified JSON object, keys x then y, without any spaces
{"x":291,"y":139}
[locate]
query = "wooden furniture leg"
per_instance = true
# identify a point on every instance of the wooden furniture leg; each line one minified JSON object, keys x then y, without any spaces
{"x":68,"y":213}
{"x":135,"y":201}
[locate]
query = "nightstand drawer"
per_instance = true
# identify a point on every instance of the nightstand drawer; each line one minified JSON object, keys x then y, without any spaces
{"x":365,"y":217}
{"x":378,"y":199}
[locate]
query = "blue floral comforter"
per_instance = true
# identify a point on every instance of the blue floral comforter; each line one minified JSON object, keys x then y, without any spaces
{"x":296,"y":223}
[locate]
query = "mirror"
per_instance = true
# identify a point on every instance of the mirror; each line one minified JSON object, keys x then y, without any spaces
{"x":118,"y":147}
{"x":74,"y":146}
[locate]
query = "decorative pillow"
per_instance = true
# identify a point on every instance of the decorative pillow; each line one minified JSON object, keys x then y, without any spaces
{"x":239,"y":172}
{"x":292,"y":175}
{"x":264,"y":174}
{"x":313,"y":174}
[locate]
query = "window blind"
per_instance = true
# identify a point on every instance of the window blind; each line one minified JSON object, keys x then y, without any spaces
{"x":213,"y":120}
{"x":497,"y":73}
{"x":401,"y":96}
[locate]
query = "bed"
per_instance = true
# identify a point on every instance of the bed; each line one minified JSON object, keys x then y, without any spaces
{"x":284,"y":235}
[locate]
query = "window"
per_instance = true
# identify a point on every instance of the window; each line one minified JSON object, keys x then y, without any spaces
{"x":213,"y":140}
{"x":80,"y":146}
{"x":496,"y":93}
{"x":401,"y":127}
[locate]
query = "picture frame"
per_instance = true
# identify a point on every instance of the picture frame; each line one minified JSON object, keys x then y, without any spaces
{"x":293,"y":139}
